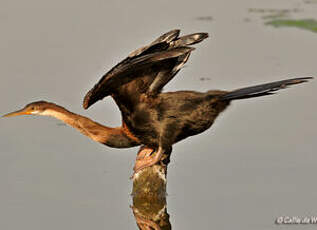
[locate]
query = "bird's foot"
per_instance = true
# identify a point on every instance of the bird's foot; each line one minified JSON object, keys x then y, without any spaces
{"x":146,"y":157}
{"x":144,"y":152}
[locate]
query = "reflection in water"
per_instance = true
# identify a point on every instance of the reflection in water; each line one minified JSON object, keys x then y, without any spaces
{"x":307,"y":24}
{"x":285,"y":18}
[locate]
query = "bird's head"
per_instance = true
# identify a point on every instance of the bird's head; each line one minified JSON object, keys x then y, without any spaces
{"x":34,"y":108}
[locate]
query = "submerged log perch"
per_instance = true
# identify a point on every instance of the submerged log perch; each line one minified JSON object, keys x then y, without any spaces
{"x":149,"y":195}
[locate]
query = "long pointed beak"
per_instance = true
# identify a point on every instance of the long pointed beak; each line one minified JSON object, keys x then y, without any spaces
{"x":17,"y":113}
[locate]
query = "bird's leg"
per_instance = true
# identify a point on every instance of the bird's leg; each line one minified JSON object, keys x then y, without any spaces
{"x":143,"y":153}
{"x":148,"y":160}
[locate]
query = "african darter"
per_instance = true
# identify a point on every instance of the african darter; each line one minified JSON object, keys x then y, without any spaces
{"x":151,"y":118}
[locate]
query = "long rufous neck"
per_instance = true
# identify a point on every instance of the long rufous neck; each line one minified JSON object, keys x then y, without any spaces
{"x":112,"y":137}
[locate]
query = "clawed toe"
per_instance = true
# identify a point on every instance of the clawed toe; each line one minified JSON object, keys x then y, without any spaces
{"x":147,"y":158}
{"x":144,"y":152}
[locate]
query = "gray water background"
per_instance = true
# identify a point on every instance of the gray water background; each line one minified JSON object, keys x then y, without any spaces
{"x":256,"y":163}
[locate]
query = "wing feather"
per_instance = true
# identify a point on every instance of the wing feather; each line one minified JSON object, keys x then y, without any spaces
{"x":163,"y":58}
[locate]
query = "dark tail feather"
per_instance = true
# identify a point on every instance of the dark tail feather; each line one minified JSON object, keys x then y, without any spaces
{"x":262,"y":90}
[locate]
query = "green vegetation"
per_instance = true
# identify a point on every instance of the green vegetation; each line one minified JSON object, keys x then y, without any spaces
{"x":307,"y":24}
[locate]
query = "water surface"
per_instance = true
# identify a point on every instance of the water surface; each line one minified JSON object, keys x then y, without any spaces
{"x":256,"y":163}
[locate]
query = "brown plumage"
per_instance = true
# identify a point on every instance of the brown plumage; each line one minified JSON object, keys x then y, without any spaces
{"x":158,"y":119}
{"x":151,"y":118}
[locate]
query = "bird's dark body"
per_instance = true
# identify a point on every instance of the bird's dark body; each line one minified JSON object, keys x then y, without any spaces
{"x":173,"y":116}
{"x":156,"y":119}
{"x":150,"y":117}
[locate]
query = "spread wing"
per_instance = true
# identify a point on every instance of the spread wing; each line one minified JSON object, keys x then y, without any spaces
{"x":146,"y":70}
